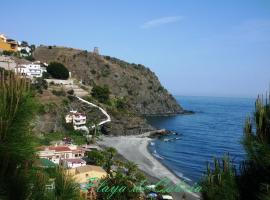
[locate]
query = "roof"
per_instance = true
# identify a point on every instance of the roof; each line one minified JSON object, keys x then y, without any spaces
{"x":55,"y":148}
{"x":88,"y":168}
{"x":59,"y":148}
{"x":75,"y":160}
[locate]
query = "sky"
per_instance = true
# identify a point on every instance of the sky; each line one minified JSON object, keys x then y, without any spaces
{"x":198,"y":48}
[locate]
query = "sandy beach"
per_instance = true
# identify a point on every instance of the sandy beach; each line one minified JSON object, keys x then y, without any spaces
{"x":134,"y":148}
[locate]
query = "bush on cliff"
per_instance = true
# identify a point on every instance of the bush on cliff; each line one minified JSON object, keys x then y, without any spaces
{"x":101,"y":93}
{"x":58,"y":71}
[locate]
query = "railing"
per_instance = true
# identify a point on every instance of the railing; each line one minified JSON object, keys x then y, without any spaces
{"x":101,"y":109}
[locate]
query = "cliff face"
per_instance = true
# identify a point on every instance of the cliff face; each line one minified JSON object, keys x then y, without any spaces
{"x":136,"y":83}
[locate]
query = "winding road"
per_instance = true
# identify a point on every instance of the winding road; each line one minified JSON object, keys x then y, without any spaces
{"x":101,"y":109}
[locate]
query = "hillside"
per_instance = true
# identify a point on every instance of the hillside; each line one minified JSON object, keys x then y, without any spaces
{"x":138,"y":85}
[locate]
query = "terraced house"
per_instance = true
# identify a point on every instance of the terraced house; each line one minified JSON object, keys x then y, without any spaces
{"x":8,"y":44}
{"x":58,"y":153}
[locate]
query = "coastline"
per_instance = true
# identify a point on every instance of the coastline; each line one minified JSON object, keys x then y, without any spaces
{"x":135,"y":148}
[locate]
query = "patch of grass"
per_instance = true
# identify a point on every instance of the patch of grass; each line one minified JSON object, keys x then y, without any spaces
{"x":77,"y":137}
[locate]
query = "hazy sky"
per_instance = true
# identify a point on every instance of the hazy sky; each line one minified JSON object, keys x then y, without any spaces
{"x":217,"y":48}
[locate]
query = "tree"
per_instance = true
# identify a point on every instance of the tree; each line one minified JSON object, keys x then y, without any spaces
{"x":220,"y":182}
{"x":104,"y":158}
{"x":58,"y":71}
{"x":109,"y":154}
{"x":45,"y":75}
{"x":23,"y":51}
{"x":129,"y":178}
{"x":97,"y":157}
{"x":253,"y":180}
{"x":65,"y":186}
{"x":17,"y":107}
{"x":101,"y":93}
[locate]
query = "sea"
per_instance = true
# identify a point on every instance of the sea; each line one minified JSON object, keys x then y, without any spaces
{"x":215,"y":129}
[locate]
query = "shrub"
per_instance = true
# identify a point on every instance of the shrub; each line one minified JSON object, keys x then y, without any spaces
{"x":8,"y":53}
{"x":40,"y":84}
{"x":93,"y":71}
{"x":121,"y":104}
{"x":101,"y":93}
{"x":45,"y":75}
{"x":105,"y":72}
{"x":59,"y":92}
{"x":58,"y":71}
{"x":23,"y":51}
{"x":30,"y":58}
{"x":70,"y":92}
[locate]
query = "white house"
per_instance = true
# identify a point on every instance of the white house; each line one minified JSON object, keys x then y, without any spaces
{"x":73,"y":162}
{"x":24,"y":46}
{"x":7,"y":63}
{"x":58,"y":153}
{"x":77,"y":119}
{"x":32,"y":70}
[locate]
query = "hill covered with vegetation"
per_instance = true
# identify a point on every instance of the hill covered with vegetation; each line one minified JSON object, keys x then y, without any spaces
{"x":136,"y":84}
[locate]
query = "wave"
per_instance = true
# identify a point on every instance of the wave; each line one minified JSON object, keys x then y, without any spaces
{"x":152,"y":143}
{"x":181,"y":176}
{"x":155,"y":154}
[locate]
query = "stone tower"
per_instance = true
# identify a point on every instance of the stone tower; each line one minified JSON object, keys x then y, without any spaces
{"x":96,"y":50}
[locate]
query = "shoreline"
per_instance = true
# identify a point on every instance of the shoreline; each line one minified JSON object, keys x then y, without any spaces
{"x":136,"y":149}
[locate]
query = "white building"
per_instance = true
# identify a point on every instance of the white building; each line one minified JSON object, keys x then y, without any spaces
{"x":73,"y":162}
{"x":77,"y":119}
{"x":24,"y":46}
{"x":58,"y":153}
{"x":32,"y":70}
{"x":7,"y":63}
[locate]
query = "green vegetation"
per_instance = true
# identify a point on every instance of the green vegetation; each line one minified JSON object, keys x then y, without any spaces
{"x":8,"y":53}
{"x":16,"y":149}
{"x":65,"y":187}
{"x":105,"y":72}
{"x":253,"y":180}
{"x":60,"y":92}
{"x":20,"y":179}
{"x":101,"y":93}
{"x":30,"y":58}
{"x":58,"y":71}
{"x":76,"y":137}
{"x":45,"y":75}
{"x":124,"y":174}
{"x":103,"y":158}
{"x":40,"y":84}
{"x":220,"y":183}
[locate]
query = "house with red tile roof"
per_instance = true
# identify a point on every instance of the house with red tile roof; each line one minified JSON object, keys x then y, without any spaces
{"x":57,"y":153}
{"x":72,"y":162}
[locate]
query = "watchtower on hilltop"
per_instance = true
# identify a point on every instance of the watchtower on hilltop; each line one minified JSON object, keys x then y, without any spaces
{"x":96,"y":50}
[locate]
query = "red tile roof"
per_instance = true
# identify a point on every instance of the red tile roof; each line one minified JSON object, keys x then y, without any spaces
{"x":59,"y":148}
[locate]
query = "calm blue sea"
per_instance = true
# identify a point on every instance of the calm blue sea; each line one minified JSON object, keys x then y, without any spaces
{"x":216,"y":128}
